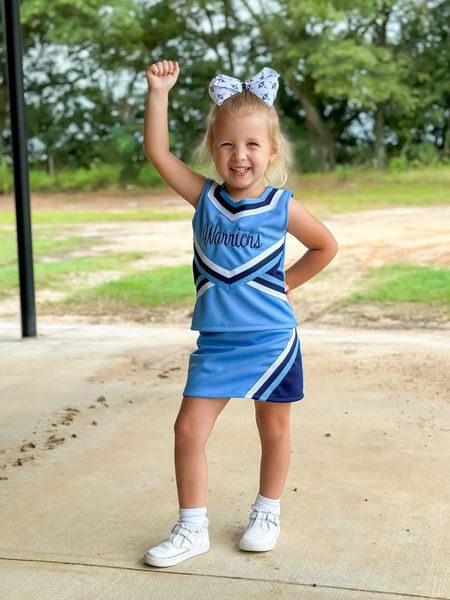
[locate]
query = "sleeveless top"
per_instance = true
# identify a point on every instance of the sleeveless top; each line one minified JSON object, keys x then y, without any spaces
{"x":238,"y":265}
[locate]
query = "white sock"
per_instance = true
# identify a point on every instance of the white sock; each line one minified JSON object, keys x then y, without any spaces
{"x":268,"y":504}
{"x":194,"y":516}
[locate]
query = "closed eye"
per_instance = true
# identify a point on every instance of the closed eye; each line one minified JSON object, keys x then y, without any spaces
{"x":252,"y":144}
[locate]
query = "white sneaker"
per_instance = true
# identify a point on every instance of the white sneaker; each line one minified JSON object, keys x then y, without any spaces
{"x":262,"y":531}
{"x":185,"y":541}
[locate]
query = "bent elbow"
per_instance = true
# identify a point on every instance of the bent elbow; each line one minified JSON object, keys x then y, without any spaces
{"x":331,"y":249}
{"x":151,"y":158}
{"x":334,"y":248}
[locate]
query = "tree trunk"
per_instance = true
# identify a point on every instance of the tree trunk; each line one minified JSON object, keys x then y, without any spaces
{"x":380,"y":40}
{"x":379,"y":146}
{"x":323,"y":139}
{"x":51,"y":165}
{"x":227,"y":11}
{"x":446,"y":145}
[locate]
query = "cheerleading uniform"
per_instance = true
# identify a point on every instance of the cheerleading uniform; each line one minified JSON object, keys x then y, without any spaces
{"x":247,"y":345}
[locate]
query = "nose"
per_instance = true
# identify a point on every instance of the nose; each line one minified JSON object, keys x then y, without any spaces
{"x":240,"y":152}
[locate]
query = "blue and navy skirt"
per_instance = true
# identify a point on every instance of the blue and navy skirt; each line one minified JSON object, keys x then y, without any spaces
{"x":262,"y":365}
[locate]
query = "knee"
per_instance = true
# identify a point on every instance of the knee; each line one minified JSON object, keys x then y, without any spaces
{"x":273,"y":430}
{"x":187,"y":432}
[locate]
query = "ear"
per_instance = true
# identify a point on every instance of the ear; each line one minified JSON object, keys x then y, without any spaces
{"x":273,"y":153}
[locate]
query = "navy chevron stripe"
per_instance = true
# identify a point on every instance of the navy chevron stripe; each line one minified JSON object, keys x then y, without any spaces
{"x":275,"y":271}
{"x":196,"y":271}
{"x":201,"y":282}
{"x":269,"y":284}
{"x":294,"y":348}
{"x":241,"y":208}
{"x":240,"y":275}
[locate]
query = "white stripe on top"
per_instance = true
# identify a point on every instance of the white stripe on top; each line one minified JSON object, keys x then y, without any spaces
{"x":204,"y":287}
{"x":254,"y":261}
{"x":268,"y":290}
{"x":250,"y":212}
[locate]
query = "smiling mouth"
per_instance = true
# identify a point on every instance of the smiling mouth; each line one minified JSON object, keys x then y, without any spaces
{"x":240,"y":170}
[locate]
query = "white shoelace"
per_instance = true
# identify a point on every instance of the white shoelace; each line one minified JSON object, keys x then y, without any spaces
{"x":265,"y":516}
{"x":186,"y":530}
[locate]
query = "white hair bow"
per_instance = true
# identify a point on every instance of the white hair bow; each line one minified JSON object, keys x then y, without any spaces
{"x":264,"y":85}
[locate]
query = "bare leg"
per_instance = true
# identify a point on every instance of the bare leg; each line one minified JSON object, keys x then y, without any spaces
{"x":273,"y":421}
{"x":193,"y":426}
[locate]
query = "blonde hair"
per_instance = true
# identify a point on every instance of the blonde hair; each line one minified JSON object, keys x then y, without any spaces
{"x":246,"y":102}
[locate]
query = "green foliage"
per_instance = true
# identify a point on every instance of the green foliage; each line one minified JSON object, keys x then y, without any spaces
{"x":423,"y":154}
{"x":5,"y":177}
{"x":342,"y":172}
{"x":398,"y":164}
{"x":417,"y":156}
{"x":141,"y":175}
{"x":148,"y":176}
{"x":359,"y":72}
{"x":97,"y":177}
{"x":344,"y":67}
{"x":87,"y":180}
{"x":125,"y":142}
{"x":41,"y":181}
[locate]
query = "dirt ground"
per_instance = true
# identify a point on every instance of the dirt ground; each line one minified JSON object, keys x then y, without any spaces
{"x":367,"y":239}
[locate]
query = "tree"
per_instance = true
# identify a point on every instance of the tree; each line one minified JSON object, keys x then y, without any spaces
{"x":360,"y":80}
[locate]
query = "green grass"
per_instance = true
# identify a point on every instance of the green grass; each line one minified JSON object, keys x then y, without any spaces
{"x":41,"y":247}
{"x":57,"y":275}
{"x":163,"y":286}
{"x":363,"y":190}
{"x":405,"y":283}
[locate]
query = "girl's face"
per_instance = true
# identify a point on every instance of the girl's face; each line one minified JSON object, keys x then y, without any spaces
{"x":241,"y":152}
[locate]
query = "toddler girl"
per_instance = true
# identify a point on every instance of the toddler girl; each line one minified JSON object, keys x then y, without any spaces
{"x":247,"y":345}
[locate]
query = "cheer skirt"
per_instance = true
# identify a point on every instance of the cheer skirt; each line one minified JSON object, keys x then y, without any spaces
{"x":262,"y":365}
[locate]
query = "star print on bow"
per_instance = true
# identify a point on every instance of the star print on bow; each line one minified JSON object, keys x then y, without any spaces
{"x":264,"y":85}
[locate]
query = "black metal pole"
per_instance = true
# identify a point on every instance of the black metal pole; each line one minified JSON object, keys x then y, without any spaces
{"x":21,"y":184}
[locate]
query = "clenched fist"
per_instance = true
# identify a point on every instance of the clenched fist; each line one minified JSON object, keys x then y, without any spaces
{"x":162,"y":75}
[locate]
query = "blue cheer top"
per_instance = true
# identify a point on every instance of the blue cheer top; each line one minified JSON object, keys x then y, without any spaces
{"x":238,"y":265}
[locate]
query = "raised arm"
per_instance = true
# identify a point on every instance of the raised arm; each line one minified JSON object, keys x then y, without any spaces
{"x":161,"y":77}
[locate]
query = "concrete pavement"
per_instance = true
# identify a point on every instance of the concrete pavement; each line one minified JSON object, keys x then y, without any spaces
{"x":87,"y":482}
